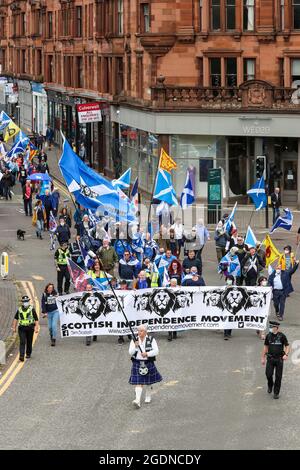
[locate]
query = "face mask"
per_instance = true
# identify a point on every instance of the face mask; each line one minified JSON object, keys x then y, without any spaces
{"x":229,"y":282}
{"x":62,"y":224}
{"x":26,"y":304}
{"x":286,"y":252}
{"x":264,"y":283}
{"x":277,"y":271}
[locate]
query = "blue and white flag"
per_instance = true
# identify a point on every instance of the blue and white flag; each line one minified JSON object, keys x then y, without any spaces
{"x":19,"y":146}
{"x":250,"y":238}
{"x":166,"y":279}
{"x":230,"y":265}
{"x":230,"y":220}
{"x":124,"y":181}
{"x":258,"y":194}
{"x":91,"y":190}
{"x":164,"y":190}
{"x":87,"y":259}
{"x":283,"y":221}
{"x":134,"y":195}
{"x":4,"y":120}
{"x":187,"y":196}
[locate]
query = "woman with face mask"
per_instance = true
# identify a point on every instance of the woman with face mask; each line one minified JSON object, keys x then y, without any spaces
{"x":27,"y":319}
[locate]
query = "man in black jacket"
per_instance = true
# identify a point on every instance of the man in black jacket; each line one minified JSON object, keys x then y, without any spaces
{"x":276,"y":203}
{"x":190,"y":261}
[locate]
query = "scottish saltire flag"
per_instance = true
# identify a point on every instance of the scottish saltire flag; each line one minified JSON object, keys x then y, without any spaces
{"x":134,"y":195}
{"x":124,"y":181}
{"x":163,"y":209}
{"x":91,"y":190}
{"x":20,"y":145}
{"x":4,"y":120}
{"x":283,"y":221}
{"x":232,"y":265}
{"x":166,"y":278}
{"x":164,"y":190}
{"x":258,"y":194}
{"x":87,"y":259}
{"x":187,"y":195}
{"x":250,"y":238}
{"x":52,"y":223}
{"x":230,"y":220}
{"x":163,"y":264}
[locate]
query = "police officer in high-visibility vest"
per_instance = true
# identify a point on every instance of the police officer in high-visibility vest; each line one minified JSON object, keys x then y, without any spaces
{"x":60,"y":256}
{"x":276,"y":348}
{"x":28,"y":321}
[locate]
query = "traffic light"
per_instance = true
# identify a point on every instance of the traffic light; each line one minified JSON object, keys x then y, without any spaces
{"x":261,"y":167}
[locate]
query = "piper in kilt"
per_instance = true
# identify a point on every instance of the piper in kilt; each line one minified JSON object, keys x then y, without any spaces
{"x":143,"y":372}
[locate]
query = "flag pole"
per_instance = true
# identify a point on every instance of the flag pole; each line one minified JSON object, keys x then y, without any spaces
{"x":153,"y":189}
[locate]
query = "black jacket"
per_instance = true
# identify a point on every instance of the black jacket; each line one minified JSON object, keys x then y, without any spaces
{"x":276,"y":203}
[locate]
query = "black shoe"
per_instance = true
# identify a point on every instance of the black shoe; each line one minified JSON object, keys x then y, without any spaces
{"x":95,"y":338}
{"x":170,"y":337}
{"x":53,"y":340}
{"x":37,"y":235}
{"x":129,"y":337}
{"x":276,"y":396}
{"x":175,"y":335}
{"x":270,"y":389}
{"x":28,"y":356}
{"x":226,"y":338}
{"x":41,"y":238}
{"x":120,"y":340}
{"x":67,"y":293}
{"x":21,"y":359}
{"x":88,"y":342}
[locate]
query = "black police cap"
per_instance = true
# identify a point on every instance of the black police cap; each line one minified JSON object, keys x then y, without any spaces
{"x":25,"y":298}
{"x":274,"y":323}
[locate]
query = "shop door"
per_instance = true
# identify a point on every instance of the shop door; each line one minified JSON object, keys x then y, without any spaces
{"x":290,"y":186}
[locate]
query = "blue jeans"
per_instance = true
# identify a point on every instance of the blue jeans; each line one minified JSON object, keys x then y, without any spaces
{"x":52,"y":322}
{"x":276,"y":214}
{"x":39,"y":227}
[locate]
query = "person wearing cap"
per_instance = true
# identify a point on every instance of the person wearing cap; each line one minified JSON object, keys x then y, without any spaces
{"x":60,"y":257}
{"x":108,"y":256}
{"x":280,"y":281}
{"x":276,"y":349}
{"x":28,"y":321}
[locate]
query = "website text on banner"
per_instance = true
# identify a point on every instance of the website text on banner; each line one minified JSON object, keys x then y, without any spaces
{"x":164,"y":309}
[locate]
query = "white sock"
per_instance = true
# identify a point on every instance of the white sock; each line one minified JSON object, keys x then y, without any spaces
{"x":138,"y":393}
{"x":148,"y":394}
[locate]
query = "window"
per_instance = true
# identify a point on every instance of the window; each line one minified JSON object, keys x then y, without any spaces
{"x":23,"y":61}
{"x":295,"y":71}
{"x":23,"y":24}
{"x":248,"y":15}
{"x":282,"y":14}
{"x":79,"y":72}
{"x":78,"y":22}
{"x":249,"y":69}
{"x":296,"y":14}
{"x":2,"y":27}
{"x":231,"y":72}
{"x":50,"y":69}
{"x":65,"y":22}
{"x":119,"y":75}
{"x":230,"y":14}
{"x":2,"y":60}
{"x":145,"y":18}
{"x":200,"y":14}
{"x":50,"y":24}
{"x":281,"y":71}
{"x":128,"y":72}
{"x":215,"y":72}
{"x":120,"y":17}
{"x":200,"y":69}
{"x":39,"y":62}
{"x":140,"y":76}
{"x":215,"y":15}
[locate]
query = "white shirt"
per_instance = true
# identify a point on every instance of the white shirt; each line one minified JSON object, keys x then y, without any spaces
{"x":178,"y":231}
{"x":277,"y":282}
{"x":132,"y":349}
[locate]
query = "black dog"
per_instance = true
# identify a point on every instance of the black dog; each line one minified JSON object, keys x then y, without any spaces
{"x":20,"y":234}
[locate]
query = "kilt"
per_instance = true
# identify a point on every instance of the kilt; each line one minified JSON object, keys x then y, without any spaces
{"x":152,"y":377}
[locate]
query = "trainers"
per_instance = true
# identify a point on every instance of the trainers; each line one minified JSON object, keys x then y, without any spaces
{"x":136,"y":403}
{"x":148,"y":399}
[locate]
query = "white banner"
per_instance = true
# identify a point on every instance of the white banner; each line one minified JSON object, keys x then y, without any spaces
{"x":164,"y":309}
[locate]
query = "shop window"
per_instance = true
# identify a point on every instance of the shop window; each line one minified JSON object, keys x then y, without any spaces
{"x":231,"y":72}
{"x":215,"y":72}
{"x":248,"y":15}
{"x":204,"y":166}
{"x":249,"y":69}
{"x":230,"y":14}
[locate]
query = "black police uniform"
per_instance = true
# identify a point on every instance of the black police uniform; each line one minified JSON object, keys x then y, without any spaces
{"x":276,"y":344}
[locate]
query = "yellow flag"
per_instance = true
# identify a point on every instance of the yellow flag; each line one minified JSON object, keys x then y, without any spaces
{"x":11,"y":130}
{"x":166,"y":162}
{"x":271,"y":251}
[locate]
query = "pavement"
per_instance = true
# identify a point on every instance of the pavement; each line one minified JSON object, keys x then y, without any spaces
{"x":213,"y":395}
